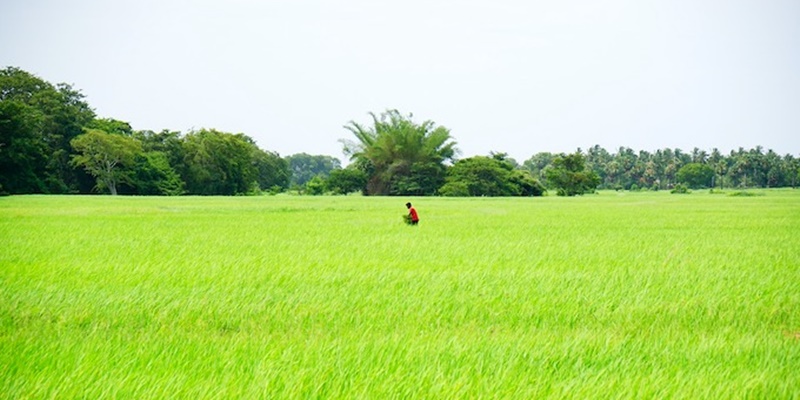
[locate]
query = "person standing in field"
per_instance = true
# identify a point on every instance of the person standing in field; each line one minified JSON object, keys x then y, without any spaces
{"x":412,"y":213}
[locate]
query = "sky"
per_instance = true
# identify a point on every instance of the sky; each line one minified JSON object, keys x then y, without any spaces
{"x":519,"y":77}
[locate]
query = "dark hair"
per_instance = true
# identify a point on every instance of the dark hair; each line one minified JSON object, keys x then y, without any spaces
{"x":408,"y":204}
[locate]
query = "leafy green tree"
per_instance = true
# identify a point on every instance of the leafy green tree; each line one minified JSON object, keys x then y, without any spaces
{"x":315,"y":186}
{"x":65,"y":121}
{"x":775,"y":171}
{"x":455,"y":189}
{"x":742,"y":168}
{"x":219,"y":163}
{"x":423,"y":178}
{"x":305,"y":166}
{"x":167,"y":142}
{"x":481,"y":175}
{"x":759,"y":165}
{"x":108,"y":158}
{"x":626,"y":160}
{"x":346,"y":180}
{"x":110,"y":125}
{"x":272,"y":170}
{"x":489,"y":176}
{"x":791,"y":167}
{"x":53,"y":116}
{"x":717,"y":163}
{"x":569,"y":175}
{"x":527,"y":184}
{"x":504,"y":157}
{"x":596,"y":160}
{"x":537,"y":164}
{"x":696,"y":175}
{"x":400,"y":156}
{"x":659,"y":170}
{"x":153,"y":175}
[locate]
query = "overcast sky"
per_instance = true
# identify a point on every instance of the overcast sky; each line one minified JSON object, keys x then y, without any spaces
{"x":511,"y":76}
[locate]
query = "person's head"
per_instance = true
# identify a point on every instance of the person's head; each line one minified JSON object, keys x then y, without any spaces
{"x":408,"y":205}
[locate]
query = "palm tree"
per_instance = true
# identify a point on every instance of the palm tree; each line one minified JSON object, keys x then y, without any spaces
{"x":400,"y":156}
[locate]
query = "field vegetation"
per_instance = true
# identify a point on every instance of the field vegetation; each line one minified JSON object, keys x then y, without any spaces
{"x":617,"y":294}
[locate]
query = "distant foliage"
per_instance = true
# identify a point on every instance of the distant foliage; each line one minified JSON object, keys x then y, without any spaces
{"x":662,"y":169}
{"x":315,"y":186}
{"x":455,"y":189}
{"x":219,"y":163}
{"x":743,"y":193}
{"x":305,"y":166}
{"x":680,"y":189}
{"x":153,"y":175}
{"x":696,"y":175}
{"x":569,"y":175}
{"x":52,"y":142}
{"x":489,"y":176}
{"x":40,"y":121}
{"x":347,"y":180}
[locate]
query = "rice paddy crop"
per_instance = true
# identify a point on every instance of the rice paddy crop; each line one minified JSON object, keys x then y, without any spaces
{"x":615,"y":295}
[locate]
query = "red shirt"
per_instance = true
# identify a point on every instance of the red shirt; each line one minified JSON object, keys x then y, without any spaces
{"x":413,"y":213}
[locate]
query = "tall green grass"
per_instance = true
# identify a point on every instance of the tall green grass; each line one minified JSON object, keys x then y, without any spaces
{"x":616,"y":295}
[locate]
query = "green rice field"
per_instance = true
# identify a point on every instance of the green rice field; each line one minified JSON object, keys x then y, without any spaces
{"x":613,"y":295}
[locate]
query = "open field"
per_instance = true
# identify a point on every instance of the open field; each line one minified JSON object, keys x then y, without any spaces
{"x":621,"y":295}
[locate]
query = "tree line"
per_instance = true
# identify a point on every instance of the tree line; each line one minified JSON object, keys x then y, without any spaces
{"x":51,"y":141}
{"x":627,"y":169}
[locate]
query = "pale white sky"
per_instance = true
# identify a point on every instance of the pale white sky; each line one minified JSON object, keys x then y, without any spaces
{"x":513,"y":76}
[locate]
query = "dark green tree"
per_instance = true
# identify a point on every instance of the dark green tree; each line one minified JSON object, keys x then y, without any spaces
{"x":167,"y":142}
{"x":481,"y":175}
{"x":527,"y":184}
{"x":696,"y":175}
{"x":304,"y":166}
{"x":791,"y":167}
{"x":53,"y":116}
{"x":489,"y":176}
{"x":596,"y":160}
{"x":346,"y":180}
{"x":315,"y":186}
{"x":23,"y":152}
{"x":219,"y":163}
{"x":774,"y":170}
{"x":717,"y":162}
{"x":537,"y":164}
{"x":569,"y":175}
{"x":272,"y":170}
{"x":153,"y":175}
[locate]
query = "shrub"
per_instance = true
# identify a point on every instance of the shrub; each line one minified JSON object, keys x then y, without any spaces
{"x":315,"y":186}
{"x":744,"y":193}
{"x":680,"y":189}
{"x":253,"y":189}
